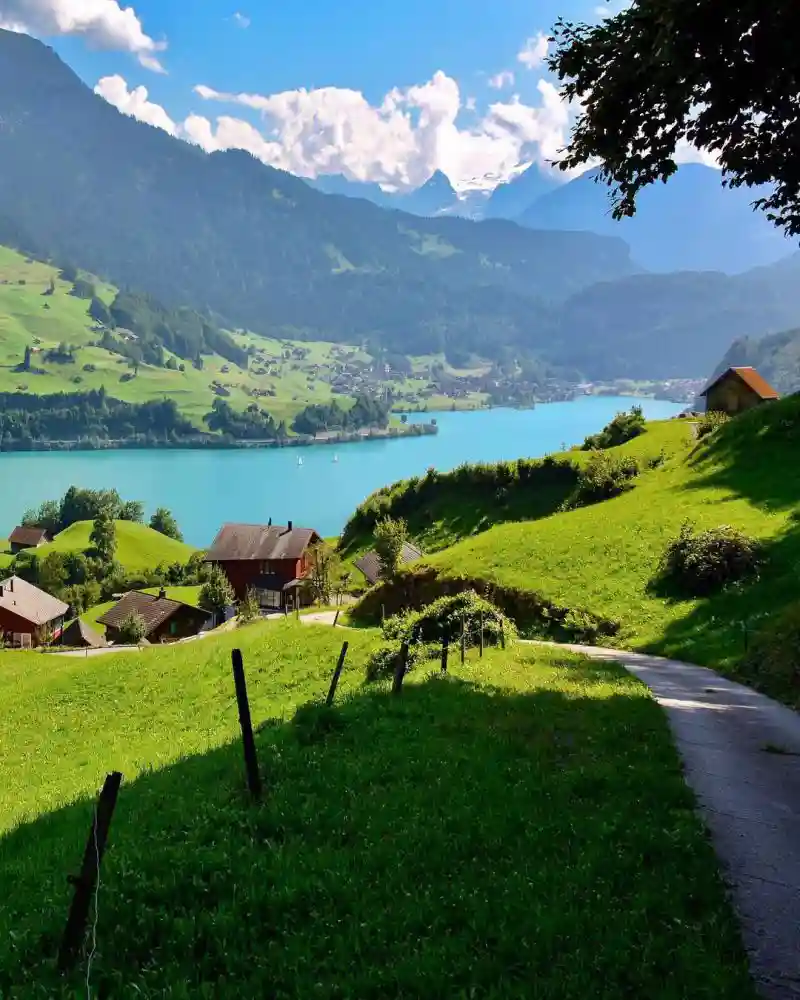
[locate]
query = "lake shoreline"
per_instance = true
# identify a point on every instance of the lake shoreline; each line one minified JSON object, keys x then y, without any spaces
{"x":221,"y":444}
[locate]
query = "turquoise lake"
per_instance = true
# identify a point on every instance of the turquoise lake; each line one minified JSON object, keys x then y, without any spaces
{"x":205,"y":488}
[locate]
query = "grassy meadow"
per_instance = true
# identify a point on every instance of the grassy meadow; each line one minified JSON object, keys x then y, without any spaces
{"x":604,"y":558}
{"x":139,"y":547}
{"x":519,"y":827}
{"x":28,"y":317}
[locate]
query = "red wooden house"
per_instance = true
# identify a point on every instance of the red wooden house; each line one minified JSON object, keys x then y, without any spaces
{"x":269,"y":559}
{"x":29,"y":615}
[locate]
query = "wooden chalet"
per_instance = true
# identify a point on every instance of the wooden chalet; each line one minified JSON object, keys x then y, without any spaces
{"x":165,"y":620}
{"x":737,"y":390}
{"x":82,"y":636}
{"x":29,"y":616}
{"x":27,"y":538}
{"x":269,"y":559}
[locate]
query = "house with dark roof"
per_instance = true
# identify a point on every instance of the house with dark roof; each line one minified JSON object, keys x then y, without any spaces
{"x":165,"y":620}
{"x":272,"y":560}
{"x":737,"y":390}
{"x":29,"y":616}
{"x":370,"y":563}
{"x":27,"y":538}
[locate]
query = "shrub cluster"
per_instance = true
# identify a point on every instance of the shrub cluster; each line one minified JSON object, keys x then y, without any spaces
{"x":699,"y":563}
{"x":500,"y":479}
{"x":425,"y":629}
{"x":601,"y":478}
{"x":710,"y":422}
{"x":624,"y":427}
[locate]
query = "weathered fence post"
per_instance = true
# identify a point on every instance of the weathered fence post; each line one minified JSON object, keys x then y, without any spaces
{"x":463,"y":638}
{"x":502,"y":634}
{"x":481,"y":624}
{"x":383,"y":613}
{"x":400,"y":670}
{"x":445,"y":643}
{"x":336,"y":674}
{"x":249,"y":744}
{"x":86,"y":882}
{"x":335,"y":619}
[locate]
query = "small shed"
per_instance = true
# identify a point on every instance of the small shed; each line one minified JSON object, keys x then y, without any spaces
{"x":370,"y":563}
{"x":165,"y":620}
{"x":82,"y":636}
{"x":23,"y":537}
{"x":737,"y":390}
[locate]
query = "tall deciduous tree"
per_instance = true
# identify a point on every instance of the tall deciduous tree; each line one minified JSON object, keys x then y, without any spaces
{"x":723,"y":75}
{"x":164,"y":522}
{"x":216,"y":594}
{"x":104,"y":537}
{"x":390,"y":536}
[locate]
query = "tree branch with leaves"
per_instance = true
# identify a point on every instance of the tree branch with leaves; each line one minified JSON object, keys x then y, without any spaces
{"x":723,"y":75}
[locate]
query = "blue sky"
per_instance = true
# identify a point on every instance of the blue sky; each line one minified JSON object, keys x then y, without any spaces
{"x":380,"y":92}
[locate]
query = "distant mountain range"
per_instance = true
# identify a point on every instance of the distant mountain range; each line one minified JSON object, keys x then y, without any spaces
{"x":254,"y":247}
{"x":692,"y":223}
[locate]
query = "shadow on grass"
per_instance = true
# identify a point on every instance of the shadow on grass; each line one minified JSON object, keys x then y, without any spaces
{"x":754,"y":456}
{"x":456,"y":841}
{"x":717,"y":630}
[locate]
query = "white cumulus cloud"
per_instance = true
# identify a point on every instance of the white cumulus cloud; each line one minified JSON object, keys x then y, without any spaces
{"x":397,"y":143}
{"x":534,"y":52}
{"x":104,"y":24}
{"x":134,"y":103}
{"x":242,"y":20}
{"x":505,"y":78}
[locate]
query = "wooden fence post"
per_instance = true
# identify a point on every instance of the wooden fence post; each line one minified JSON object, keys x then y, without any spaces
{"x":400,"y":670}
{"x":249,"y":744}
{"x":445,"y":644}
{"x":481,"y":624}
{"x":86,"y":882}
{"x":336,"y":674}
{"x":383,"y":613}
{"x":463,"y":639}
{"x":502,"y":634}
{"x":335,"y":619}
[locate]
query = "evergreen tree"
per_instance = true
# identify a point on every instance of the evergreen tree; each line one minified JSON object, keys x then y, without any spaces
{"x":216,"y":594}
{"x":104,"y":537}
{"x":164,"y":522}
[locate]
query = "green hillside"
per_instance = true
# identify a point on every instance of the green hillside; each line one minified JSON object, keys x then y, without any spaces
{"x":139,"y":547}
{"x":602,"y":560}
{"x":368,"y":870}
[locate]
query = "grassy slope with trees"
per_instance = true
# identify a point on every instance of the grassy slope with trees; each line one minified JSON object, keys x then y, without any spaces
{"x":369,"y":841}
{"x":603,"y":560}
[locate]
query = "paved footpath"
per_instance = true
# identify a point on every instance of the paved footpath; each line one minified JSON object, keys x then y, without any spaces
{"x":741,"y":752}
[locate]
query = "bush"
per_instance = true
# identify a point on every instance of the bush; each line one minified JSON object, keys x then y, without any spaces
{"x":773,"y":660}
{"x":624,"y":427}
{"x":386,"y":658}
{"x":699,"y":563}
{"x":603,"y":477}
{"x":710,"y":422}
{"x":444,"y":618}
{"x":132,"y":630}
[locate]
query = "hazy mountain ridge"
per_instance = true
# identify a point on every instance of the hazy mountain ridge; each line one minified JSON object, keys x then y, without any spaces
{"x":259,"y":248}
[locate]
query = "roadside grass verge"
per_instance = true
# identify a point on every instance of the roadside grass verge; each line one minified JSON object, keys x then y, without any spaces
{"x":520,"y":827}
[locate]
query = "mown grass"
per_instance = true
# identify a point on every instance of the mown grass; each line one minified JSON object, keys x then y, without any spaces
{"x":604,"y":558}
{"x":139,"y":547}
{"x":518,"y":828}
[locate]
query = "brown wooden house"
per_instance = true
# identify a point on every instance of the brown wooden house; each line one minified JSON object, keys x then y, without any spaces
{"x":269,"y":559}
{"x":28,"y":615}
{"x":737,"y":390}
{"x":27,"y":538}
{"x":165,"y":620}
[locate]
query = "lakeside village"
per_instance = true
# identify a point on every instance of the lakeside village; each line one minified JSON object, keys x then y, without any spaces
{"x":421,"y":385}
